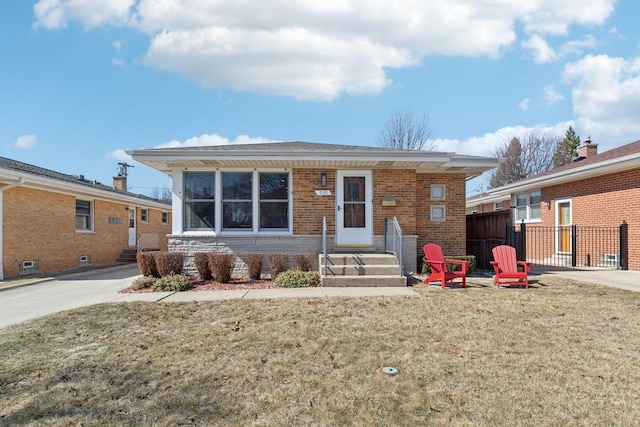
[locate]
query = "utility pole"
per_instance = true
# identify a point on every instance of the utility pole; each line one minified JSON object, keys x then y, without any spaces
{"x":122,"y":170}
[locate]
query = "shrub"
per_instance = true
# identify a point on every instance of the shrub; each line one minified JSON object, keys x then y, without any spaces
{"x":277,"y":264}
{"x":424,"y":268}
{"x":297,"y":279}
{"x":304,"y":262}
{"x":172,"y":283}
{"x":254,"y":264}
{"x":201,"y":260}
{"x":143,"y":282}
{"x":147,"y":264}
{"x":221,"y":266}
{"x":169,"y":262}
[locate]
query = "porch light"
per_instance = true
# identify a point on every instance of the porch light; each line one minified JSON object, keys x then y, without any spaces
{"x":323,"y":179}
{"x":548,"y":204}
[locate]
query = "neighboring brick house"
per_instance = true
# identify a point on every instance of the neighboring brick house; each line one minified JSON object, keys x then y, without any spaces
{"x":596,"y":190}
{"x":52,"y":221}
{"x":273,"y":197}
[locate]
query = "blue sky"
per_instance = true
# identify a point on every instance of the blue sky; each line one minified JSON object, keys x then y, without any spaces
{"x":84,"y":80}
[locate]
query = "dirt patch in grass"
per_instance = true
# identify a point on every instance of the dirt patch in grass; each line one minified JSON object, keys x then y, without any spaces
{"x":561,"y":353}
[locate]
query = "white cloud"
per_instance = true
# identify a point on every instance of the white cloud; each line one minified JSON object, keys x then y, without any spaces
{"x":26,"y":142}
{"x":213,"y":139}
{"x":540,"y":49}
{"x":91,"y":13}
{"x":606,"y":96}
{"x":313,"y":49}
{"x":524,"y":104}
{"x":551,"y":96}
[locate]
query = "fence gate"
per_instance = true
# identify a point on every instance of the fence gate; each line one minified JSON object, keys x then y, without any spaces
{"x":571,"y":246}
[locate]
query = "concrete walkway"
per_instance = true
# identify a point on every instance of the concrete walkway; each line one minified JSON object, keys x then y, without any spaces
{"x":25,"y":300}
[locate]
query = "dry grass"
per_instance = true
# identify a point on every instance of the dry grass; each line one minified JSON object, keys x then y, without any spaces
{"x":562,"y":353}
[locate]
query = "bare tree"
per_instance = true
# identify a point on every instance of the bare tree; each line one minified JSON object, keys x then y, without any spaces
{"x":161,"y":193}
{"x":405,"y":131}
{"x":524,"y":158}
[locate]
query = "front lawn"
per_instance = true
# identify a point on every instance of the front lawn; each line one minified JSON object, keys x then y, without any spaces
{"x":561,"y":353}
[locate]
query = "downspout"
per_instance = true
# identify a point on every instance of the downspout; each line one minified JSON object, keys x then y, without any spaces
{"x":20,"y":181}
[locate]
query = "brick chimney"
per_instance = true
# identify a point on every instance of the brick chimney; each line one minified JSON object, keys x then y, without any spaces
{"x":120,"y":183}
{"x":588,"y":149}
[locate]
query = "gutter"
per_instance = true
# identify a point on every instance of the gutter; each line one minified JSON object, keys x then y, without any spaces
{"x":21,"y":181}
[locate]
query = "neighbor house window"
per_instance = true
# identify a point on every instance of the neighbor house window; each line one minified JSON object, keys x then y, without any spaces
{"x":438,"y":192}
{"x":237,"y":207}
{"x":144,"y":215}
{"x":528,"y":206}
{"x":497,"y":206}
{"x":165,"y":218}
{"x":438,"y":213}
{"x":274,"y":201}
{"x":84,"y":215}
{"x":199,"y":200}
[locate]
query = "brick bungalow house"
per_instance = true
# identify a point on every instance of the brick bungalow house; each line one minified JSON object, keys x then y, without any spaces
{"x":50,"y":221}
{"x":273,"y":197}
{"x":595,"y":190}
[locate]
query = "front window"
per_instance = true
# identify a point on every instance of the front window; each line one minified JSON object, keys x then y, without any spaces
{"x":237,"y":201}
{"x":528,"y":206}
{"x":274,"y":201}
{"x":199,"y":200}
{"x":237,"y":207}
{"x":83,"y":215}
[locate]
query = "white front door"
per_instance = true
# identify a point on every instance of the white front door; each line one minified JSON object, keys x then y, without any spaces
{"x":132,"y":226}
{"x":354,"y":213}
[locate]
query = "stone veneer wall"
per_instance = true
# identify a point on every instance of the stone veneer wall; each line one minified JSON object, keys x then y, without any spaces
{"x":190,"y":244}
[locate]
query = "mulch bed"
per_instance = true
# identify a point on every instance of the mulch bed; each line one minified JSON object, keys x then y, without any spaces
{"x":241,"y":283}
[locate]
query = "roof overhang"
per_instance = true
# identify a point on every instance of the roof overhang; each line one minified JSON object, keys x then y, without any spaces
{"x":167,"y":160}
{"x":49,"y":184}
{"x":618,"y":164}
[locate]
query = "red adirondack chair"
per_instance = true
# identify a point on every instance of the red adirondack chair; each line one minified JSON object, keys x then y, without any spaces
{"x":506,"y":266}
{"x":434,"y":257}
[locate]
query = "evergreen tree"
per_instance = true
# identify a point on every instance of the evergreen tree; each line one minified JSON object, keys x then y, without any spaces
{"x":567,"y":149}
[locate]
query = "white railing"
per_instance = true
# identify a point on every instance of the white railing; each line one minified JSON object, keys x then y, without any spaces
{"x":393,"y":240}
{"x":324,"y":243}
{"x":148,"y":241}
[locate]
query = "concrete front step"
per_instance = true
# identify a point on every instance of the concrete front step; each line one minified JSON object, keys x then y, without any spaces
{"x":127,"y":255}
{"x":358,"y":270}
{"x":359,"y":281}
{"x":362,"y":270}
{"x":359,"y":259}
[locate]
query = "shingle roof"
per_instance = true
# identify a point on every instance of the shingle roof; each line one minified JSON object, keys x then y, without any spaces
{"x":17,"y":166}
{"x":599,"y":164}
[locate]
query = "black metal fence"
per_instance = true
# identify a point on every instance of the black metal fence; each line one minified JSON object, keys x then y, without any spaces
{"x":571,"y":246}
{"x":561,"y":246}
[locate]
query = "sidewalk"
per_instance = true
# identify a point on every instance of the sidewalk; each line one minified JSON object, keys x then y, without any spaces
{"x":273,"y":293}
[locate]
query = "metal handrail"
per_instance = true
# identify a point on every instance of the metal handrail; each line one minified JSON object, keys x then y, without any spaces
{"x":148,"y":241}
{"x":324,"y":243}
{"x":393,"y":240}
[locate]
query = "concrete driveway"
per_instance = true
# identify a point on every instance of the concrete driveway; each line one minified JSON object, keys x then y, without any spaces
{"x":21,"y":303}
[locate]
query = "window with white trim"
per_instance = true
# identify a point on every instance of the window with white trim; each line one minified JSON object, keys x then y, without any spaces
{"x":144,"y":215}
{"x":165,"y":218}
{"x":274,"y":201}
{"x":243,"y":201}
{"x":199,"y":200}
{"x":84,"y":215}
{"x":237,"y":207}
{"x":528,"y":206}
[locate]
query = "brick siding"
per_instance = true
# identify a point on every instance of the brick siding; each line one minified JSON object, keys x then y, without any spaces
{"x":601,"y":201}
{"x":40,"y":226}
